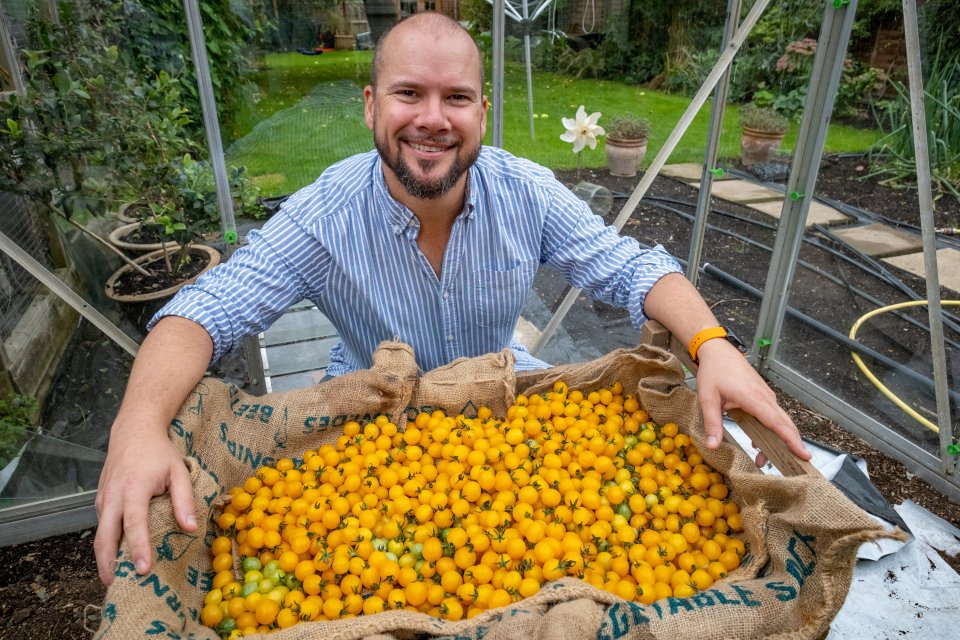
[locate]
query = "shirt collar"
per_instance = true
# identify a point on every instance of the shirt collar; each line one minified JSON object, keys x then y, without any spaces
{"x":400,"y":217}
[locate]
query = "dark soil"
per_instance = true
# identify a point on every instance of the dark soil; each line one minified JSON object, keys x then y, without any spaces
{"x":49,"y":588}
{"x":133,"y":282}
{"x":143,"y":234}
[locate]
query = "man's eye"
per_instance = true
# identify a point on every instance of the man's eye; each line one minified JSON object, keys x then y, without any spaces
{"x":407,"y":93}
{"x":459,"y":97}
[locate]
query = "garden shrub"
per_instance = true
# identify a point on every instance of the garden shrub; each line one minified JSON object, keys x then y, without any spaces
{"x":16,"y":415}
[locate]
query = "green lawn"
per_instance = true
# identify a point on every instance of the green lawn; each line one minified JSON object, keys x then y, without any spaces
{"x":300,"y":133}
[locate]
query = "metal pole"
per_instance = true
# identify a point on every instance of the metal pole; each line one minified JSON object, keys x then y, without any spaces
{"x":824,"y":80}
{"x":208,"y":106}
{"x":717,"y":110}
{"x":68,"y":295}
{"x":682,"y":125}
{"x":526,"y":51}
{"x":496,"y":33}
{"x":938,"y":354}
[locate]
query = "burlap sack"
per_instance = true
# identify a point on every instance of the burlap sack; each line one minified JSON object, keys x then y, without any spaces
{"x":802,"y":534}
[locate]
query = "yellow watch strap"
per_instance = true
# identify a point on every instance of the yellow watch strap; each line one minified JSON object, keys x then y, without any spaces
{"x":702,"y":336}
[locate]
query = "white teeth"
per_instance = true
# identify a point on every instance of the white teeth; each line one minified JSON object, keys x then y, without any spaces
{"x":423,"y":147}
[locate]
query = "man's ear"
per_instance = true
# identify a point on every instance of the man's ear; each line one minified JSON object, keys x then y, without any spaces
{"x":368,"y":106}
{"x":483,"y":115}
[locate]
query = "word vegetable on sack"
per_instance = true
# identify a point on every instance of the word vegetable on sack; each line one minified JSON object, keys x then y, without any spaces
{"x":456,"y":515}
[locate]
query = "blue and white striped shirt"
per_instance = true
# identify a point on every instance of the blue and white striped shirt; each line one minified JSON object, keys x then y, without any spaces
{"x":346,"y":245}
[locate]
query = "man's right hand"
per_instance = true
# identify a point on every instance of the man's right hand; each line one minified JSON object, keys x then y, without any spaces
{"x":142,"y":464}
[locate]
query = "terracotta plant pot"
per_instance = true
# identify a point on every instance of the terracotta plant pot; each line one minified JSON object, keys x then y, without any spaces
{"x":201,"y":251}
{"x":123,"y":213}
{"x":759,"y":147}
{"x":624,"y":157}
{"x":117,"y":235}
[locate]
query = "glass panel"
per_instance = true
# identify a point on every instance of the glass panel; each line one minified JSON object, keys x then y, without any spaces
{"x":834,"y":290}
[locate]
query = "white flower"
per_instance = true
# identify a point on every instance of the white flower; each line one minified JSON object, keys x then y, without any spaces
{"x":582,"y":130}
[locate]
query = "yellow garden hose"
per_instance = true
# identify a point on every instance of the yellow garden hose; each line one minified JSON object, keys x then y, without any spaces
{"x":869,"y":374}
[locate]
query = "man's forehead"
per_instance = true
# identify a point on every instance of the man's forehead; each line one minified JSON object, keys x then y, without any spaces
{"x":414,"y":45}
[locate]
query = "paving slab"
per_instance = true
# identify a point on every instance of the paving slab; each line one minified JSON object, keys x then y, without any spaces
{"x":948,"y":266}
{"x":689,"y":172}
{"x":818,"y":213}
{"x":743,"y":191}
{"x":298,"y":357}
{"x":880,"y":240}
{"x":298,"y":324}
{"x":526,"y":333}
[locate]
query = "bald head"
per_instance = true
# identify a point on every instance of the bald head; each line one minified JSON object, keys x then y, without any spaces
{"x":427,"y":22}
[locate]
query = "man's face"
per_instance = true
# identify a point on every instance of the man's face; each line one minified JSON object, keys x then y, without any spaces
{"x":428,"y":114}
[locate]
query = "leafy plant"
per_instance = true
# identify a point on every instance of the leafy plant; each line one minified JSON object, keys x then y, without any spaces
{"x":157,"y":40}
{"x":189,"y":208}
{"x":762,"y":119}
{"x":16,"y":415}
{"x":628,"y":127}
{"x":894,"y":155}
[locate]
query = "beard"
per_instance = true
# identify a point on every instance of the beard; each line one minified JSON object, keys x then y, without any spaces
{"x":425,"y":188}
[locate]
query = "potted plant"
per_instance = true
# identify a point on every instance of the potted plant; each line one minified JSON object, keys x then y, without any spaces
{"x":762,"y":130}
{"x":177,"y":217}
{"x":626,"y":144}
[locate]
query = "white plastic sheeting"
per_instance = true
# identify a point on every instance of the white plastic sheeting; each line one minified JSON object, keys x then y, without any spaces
{"x":899,"y":590}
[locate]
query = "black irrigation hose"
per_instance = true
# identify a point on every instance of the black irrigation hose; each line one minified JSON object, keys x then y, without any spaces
{"x":831,"y":333}
{"x":829,"y":276}
{"x":950,"y":320}
{"x":873,"y":267}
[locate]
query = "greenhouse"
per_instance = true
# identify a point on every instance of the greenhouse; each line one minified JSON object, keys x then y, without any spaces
{"x":799,"y":160}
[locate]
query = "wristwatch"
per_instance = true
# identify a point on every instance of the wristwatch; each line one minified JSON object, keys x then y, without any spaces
{"x":709,"y":334}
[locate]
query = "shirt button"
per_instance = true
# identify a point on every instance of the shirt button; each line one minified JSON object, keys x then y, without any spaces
{"x":410,"y":224}
{"x":446,"y":294}
{"x":449,"y":338}
{"x":396,"y":228}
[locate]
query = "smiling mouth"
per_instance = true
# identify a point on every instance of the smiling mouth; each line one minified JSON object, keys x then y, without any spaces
{"x":429,"y":147}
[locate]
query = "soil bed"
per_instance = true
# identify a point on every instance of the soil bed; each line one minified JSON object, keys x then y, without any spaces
{"x":47,"y":585}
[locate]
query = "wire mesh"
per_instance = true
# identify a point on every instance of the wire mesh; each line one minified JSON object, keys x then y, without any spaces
{"x":336,"y":106}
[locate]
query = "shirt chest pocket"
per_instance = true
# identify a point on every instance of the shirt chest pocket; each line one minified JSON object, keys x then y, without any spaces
{"x":500,"y":294}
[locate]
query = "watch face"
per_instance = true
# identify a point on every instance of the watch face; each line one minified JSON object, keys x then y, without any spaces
{"x":735,"y":341}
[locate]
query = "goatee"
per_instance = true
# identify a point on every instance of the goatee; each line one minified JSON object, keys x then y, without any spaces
{"x":422,"y":188}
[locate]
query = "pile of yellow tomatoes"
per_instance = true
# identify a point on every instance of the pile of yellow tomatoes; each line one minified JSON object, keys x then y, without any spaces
{"x":456,"y":515}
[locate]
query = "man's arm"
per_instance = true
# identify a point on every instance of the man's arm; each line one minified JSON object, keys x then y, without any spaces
{"x":141,"y":461}
{"x":725,"y":379}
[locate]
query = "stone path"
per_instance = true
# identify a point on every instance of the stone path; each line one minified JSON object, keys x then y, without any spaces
{"x":897,"y":247}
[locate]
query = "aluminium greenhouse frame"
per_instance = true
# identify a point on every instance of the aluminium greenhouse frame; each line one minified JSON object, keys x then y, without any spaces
{"x":70,"y":513}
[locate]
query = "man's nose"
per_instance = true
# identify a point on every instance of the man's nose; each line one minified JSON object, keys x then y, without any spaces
{"x":433,"y":114}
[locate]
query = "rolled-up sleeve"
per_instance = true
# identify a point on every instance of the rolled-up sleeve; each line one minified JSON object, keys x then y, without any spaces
{"x":253,"y":288}
{"x":594,"y":257}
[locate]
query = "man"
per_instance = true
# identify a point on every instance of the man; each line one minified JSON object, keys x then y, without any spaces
{"x":432,"y":239}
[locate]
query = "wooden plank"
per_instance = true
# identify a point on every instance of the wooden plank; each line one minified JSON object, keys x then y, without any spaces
{"x":655,"y":334}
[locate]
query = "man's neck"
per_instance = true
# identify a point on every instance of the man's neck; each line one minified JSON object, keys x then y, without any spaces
{"x":430,"y":211}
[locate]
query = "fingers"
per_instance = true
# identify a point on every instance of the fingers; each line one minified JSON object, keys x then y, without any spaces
{"x":106,"y":543}
{"x":181,"y":495}
{"x":711,"y":406}
{"x":776,"y":419}
{"x":136,"y":506}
